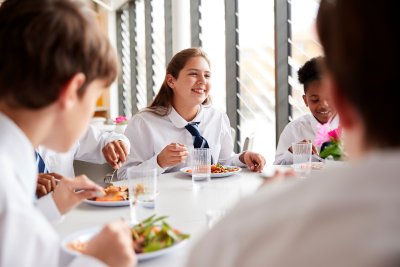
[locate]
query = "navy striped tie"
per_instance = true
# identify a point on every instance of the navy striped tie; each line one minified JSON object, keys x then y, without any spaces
{"x":40,"y":163}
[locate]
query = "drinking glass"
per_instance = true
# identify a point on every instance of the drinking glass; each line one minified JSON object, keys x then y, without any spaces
{"x":200,"y":165}
{"x":302,"y":158}
{"x":142,"y":190}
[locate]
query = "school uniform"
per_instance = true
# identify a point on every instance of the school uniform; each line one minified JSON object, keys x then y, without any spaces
{"x":345,"y":216}
{"x":23,"y":228}
{"x":150,"y":134}
{"x":88,"y":148}
{"x":303,"y":128}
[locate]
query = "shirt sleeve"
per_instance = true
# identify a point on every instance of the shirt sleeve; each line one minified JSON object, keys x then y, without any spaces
{"x":141,"y":152}
{"x":23,"y":228}
{"x":226,"y":155}
{"x":283,"y":155}
{"x":49,"y":209}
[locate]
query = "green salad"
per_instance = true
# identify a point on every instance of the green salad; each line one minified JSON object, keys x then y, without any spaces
{"x":154,"y":233}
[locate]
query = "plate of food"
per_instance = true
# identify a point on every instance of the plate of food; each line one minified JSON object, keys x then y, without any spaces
{"x":217,"y":170}
{"x":116,"y":195}
{"x":152,"y":238}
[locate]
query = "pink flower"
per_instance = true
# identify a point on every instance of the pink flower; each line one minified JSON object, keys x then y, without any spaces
{"x":335,"y":134}
{"x":121,"y":120}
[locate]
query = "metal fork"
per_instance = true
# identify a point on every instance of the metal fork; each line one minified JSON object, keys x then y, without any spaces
{"x":109,"y":178}
{"x":315,"y":156}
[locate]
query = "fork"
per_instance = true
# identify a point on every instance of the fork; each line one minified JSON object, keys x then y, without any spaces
{"x":315,"y":156}
{"x":109,"y":178}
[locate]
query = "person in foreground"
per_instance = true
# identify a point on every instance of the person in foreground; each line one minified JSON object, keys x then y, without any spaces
{"x":304,"y":129}
{"x":54,"y":64}
{"x":348,"y":216}
{"x":94,"y":146}
{"x":181,"y":117}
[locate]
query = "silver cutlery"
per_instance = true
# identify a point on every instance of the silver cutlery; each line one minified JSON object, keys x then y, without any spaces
{"x":315,"y":156}
{"x":109,"y":178}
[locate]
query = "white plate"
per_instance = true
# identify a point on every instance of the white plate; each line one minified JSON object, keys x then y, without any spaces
{"x":85,"y":235}
{"x":107,"y":203}
{"x":110,"y":203}
{"x":215,"y":175}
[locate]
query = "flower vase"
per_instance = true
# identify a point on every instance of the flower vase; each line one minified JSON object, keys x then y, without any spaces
{"x":120,"y":128}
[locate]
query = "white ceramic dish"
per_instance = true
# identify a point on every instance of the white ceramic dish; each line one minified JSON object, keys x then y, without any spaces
{"x":85,"y":235}
{"x":215,"y":175}
{"x":110,"y":203}
{"x":107,"y":203}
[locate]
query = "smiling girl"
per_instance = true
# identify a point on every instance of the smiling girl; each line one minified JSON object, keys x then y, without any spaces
{"x":160,"y":135}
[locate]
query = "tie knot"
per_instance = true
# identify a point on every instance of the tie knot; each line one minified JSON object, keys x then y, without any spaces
{"x":193,"y":128}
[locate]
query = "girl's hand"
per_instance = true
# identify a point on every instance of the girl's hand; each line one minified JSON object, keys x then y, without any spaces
{"x":172,"y":155}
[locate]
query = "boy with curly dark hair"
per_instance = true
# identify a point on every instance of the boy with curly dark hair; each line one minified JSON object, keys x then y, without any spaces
{"x":316,"y":98}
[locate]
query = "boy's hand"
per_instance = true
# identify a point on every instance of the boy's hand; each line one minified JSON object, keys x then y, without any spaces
{"x":69,"y":193}
{"x":47,"y":183}
{"x":115,"y":153}
{"x":113,"y":245}
{"x":254,"y":161}
{"x":172,"y":155}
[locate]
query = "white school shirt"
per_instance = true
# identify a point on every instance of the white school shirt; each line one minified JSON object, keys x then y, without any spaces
{"x":347,"y":216}
{"x":302,"y":128}
{"x":26,"y":236}
{"x":88,"y":148}
{"x":149,"y":134}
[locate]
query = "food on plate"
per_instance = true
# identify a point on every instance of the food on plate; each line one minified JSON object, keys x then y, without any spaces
{"x":218,"y":168}
{"x":114,"y":193}
{"x":152,"y":234}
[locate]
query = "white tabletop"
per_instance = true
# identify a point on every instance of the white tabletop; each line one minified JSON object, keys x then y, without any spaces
{"x":188,"y":209}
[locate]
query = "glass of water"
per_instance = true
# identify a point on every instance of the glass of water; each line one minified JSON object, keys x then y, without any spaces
{"x":302,"y":158}
{"x":200,"y":159}
{"x":142,"y":190}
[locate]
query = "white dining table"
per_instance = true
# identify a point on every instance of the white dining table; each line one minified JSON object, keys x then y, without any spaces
{"x":192,"y":210}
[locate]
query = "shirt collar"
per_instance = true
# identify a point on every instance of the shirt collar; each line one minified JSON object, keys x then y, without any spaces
{"x":180,"y":122}
{"x":333,"y":123}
